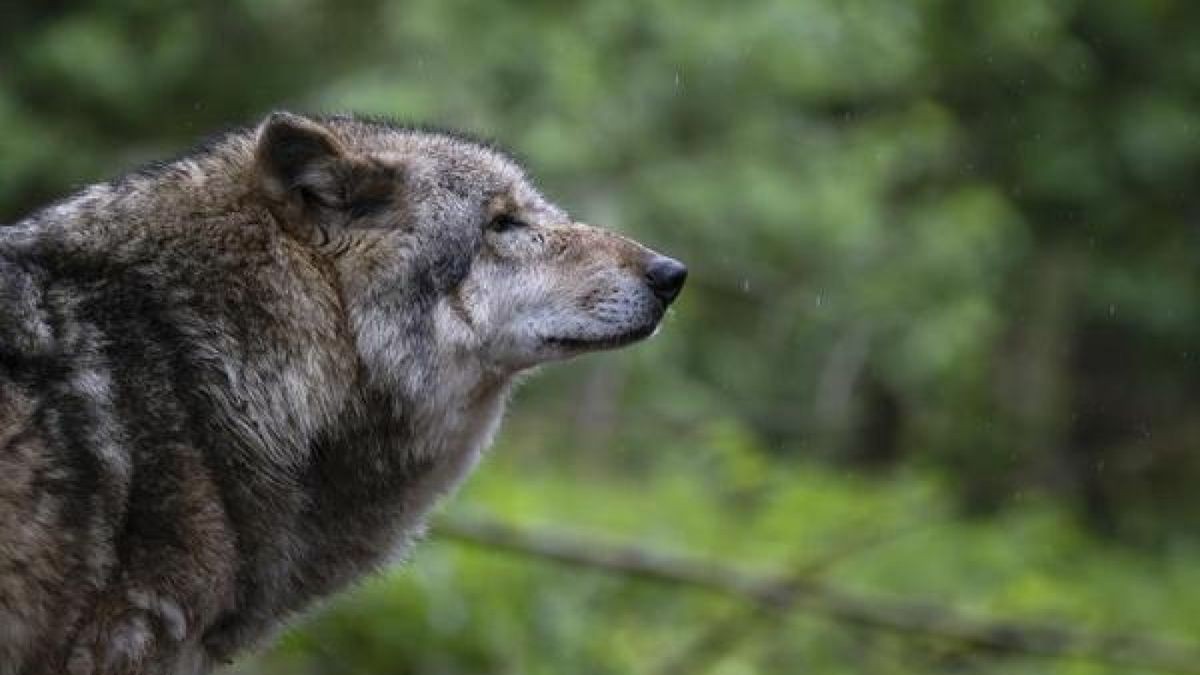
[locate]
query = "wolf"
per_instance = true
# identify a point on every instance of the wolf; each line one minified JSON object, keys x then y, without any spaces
{"x":233,"y":383}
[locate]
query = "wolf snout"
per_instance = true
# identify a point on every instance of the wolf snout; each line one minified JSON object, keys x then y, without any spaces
{"x":665,"y":277}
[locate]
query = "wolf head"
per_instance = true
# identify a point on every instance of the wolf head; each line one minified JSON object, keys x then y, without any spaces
{"x":435,"y":235}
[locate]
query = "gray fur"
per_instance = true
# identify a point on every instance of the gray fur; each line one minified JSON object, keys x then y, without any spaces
{"x":234,"y":383}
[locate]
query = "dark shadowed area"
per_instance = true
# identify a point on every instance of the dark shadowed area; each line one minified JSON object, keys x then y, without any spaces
{"x":930,"y":402}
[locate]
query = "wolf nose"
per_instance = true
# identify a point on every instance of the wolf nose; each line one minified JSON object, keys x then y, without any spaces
{"x":666,"y":276}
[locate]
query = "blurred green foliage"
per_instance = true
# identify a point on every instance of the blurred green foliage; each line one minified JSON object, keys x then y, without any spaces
{"x":944,"y":267}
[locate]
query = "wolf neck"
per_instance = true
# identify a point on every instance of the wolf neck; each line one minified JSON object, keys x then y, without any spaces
{"x":448,"y":403}
{"x":384,"y":466}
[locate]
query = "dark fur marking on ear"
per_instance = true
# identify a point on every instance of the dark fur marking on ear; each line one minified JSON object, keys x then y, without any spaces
{"x":289,"y":147}
{"x":370,"y":187}
{"x":311,"y":198}
{"x":367,"y":206}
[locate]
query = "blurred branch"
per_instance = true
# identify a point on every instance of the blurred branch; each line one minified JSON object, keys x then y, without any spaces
{"x":726,"y":633}
{"x":782,"y":593}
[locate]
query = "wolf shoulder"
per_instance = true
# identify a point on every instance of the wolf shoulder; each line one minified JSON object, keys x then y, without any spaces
{"x":24,"y":327}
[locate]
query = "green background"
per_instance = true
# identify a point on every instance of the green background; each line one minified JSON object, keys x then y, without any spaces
{"x":944,"y":296}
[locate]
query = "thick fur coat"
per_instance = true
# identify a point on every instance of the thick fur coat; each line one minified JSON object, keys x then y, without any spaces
{"x":233,"y":383}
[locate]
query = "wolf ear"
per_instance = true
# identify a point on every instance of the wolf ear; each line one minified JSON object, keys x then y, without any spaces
{"x":297,"y":162}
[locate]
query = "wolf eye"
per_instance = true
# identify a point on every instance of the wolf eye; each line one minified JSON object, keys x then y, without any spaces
{"x":505,"y":222}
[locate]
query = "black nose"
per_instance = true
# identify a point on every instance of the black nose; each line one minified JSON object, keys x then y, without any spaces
{"x":665,"y":276}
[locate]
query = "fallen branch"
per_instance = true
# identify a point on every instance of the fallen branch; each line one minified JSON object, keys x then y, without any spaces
{"x":790,"y":592}
{"x":726,"y":633}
